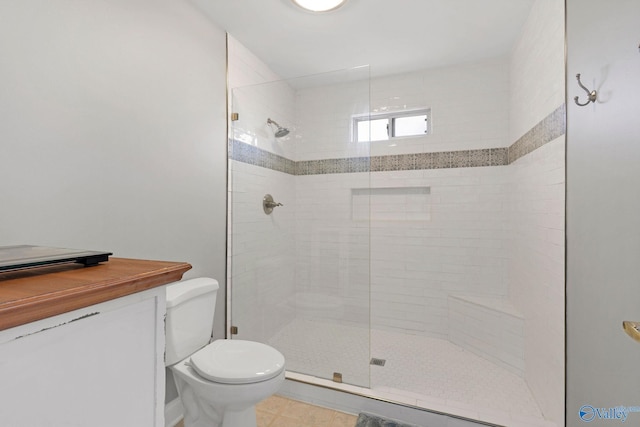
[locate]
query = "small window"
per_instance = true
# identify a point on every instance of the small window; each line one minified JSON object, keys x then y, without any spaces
{"x":381,"y":127}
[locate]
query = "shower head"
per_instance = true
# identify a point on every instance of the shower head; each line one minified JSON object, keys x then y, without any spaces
{"x":280,"y":132}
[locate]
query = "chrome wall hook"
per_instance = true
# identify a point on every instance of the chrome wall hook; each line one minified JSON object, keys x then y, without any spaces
{"x":593,"y":95}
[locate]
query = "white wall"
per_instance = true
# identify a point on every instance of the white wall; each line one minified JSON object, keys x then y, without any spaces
{"x":536,"y":269}
{"x":603,"y":201}
{"x":324,"y":111}
{"x":537,"y":68}
{"x":113,"y":131}
{"x":469,"y":105}
{"x":263,"y":252}
{"x":536,"y":205}
{"x":454,"y":243}
{"x":333,"y":247}
{"x":460,"y":249}
{"x":460,"y":246}
{"x":257,"y":94}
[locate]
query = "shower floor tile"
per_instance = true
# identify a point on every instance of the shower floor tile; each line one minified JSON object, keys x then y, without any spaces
{"x":320,"y":349}
{"x":420,"y":371}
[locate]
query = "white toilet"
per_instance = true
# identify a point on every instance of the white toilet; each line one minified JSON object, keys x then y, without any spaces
{"x":219,"y":382}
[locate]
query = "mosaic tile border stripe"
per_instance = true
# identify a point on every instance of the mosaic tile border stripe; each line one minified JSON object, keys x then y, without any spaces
{"x":548,"y":129}
{"x":252,"y":155}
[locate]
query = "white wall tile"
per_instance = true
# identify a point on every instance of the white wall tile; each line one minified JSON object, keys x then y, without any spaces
{"x":537,"y":67}
{"x":257,"y":94}
{"x":536,"y":270}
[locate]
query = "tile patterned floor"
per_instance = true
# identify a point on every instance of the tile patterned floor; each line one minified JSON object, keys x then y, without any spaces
{"x":420,"y":371}
{"x":278,"y":411}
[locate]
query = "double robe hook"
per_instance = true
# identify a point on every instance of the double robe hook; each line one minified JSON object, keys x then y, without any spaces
{"x":592,"y":95}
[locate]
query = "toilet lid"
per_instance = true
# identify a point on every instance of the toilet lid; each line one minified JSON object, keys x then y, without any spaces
{"x":237,"y":362}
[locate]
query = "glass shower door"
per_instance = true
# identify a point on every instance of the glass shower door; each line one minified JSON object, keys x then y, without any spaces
{"x":299,"y":269}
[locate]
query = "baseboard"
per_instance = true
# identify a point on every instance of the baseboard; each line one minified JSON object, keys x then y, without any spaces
{"x":172,"y":412}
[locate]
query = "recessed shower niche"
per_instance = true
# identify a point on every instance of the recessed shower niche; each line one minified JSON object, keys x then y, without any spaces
{"x":391,"y":204}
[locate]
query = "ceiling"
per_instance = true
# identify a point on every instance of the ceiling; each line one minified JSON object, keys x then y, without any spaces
{"x":392,"y":36}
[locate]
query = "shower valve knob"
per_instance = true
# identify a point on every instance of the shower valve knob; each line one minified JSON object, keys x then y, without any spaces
{"x":268,"y":204}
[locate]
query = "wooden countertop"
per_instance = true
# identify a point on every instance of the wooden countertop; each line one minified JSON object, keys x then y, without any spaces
{"x":38,"y":293}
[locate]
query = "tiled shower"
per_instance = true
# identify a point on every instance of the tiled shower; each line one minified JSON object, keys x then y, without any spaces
{"x":442,"y":254}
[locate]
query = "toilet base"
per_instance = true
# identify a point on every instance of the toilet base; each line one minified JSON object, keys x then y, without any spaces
{"x":210,"y":404}
{"x":244,"y":418}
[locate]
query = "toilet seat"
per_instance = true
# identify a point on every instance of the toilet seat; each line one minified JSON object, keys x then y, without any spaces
{"x":237,"y":362}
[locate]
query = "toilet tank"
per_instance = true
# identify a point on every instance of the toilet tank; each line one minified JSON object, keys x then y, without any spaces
{"x":189,"y":322}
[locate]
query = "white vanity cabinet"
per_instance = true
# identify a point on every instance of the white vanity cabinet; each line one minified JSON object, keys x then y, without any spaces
{"x":99,"y":365}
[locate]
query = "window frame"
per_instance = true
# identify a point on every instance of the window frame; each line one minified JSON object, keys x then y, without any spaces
{"x":390,"y":116}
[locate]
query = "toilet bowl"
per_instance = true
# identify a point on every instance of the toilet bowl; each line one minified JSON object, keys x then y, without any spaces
{"x":219,"y":383}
